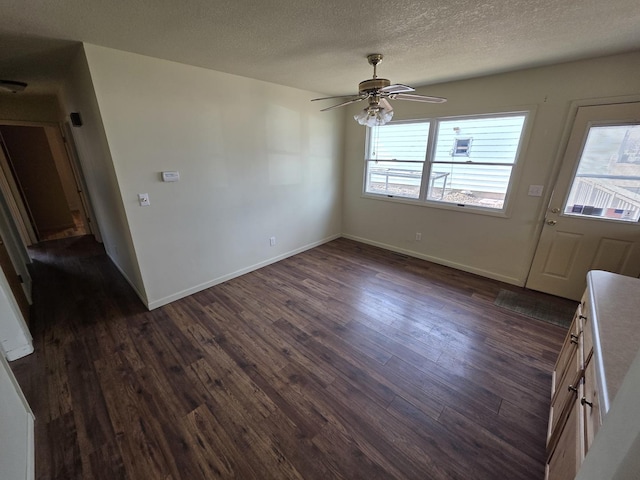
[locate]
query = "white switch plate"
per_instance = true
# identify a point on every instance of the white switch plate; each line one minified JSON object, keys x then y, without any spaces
{"x":536,"y":190}
{"x":272,"y":241}
{"x":170,"y":176}
{"x":143,"y":199}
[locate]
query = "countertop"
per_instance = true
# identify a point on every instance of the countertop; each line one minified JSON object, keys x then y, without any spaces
{"x":615,"y":304}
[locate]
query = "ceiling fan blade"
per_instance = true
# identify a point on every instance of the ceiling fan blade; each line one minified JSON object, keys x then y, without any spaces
{"x":416,"y":98}
{"x":337,"y":96}
{"x":397,"y":88}
{"x":353,"y":100}
{"x":384,"y":103}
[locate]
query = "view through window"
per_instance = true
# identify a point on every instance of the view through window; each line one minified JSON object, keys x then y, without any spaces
{"x":461,"y":161}
{"x":607,"y":181}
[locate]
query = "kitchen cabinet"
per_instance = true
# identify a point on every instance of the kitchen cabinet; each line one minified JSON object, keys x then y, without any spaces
{"x":599,"y":348}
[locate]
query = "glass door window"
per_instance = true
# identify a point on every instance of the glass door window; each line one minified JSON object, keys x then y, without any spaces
{"x":606,"y":184}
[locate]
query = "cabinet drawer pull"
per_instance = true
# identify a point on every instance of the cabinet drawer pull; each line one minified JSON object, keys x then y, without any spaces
{"x":574,"y":339}
{"x":573,"y":389}
{"x":584,"y":401}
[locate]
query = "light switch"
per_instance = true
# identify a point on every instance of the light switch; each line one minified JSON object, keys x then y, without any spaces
{"x":536,"y":190}
{"x":143,"y":199}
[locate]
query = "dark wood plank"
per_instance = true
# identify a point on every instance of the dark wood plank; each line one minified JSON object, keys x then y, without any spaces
{"x":343,"y":362}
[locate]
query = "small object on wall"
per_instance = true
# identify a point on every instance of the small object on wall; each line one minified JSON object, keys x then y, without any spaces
{"x":170,"y":176}
{"x":76,"y":119}
{"x":535,"y":190}
{"x":143,"y":199}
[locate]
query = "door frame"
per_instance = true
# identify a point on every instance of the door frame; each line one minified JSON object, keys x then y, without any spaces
{"x":16,"y":205}
{"x":88,"y":215}
{"x":557,"y":163}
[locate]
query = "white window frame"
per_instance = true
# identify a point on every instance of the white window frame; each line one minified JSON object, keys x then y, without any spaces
{"x":434,"y":123}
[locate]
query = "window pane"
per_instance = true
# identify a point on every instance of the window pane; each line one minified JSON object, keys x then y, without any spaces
{"x":489,"y":139}
{"x":468,"y":184}
{"x":399,"y":141}
{"x":607,"y":181}
{"x":400,"y":179}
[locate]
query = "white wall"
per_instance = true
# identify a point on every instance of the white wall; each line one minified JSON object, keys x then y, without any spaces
{"x":255,"y":159}
{"x":78,"y":95}
{"x":495,"y":247}
{"x":29,"y":108}
{"x":17,"y":453}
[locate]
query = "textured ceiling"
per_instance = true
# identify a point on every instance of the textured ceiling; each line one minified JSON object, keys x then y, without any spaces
{"x":318,"y":45}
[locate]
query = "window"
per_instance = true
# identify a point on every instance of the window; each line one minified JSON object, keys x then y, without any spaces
{"x":461,"y":147}
{"x":433,"y":160}
{"x":396,"y":157}
{"x":607,"y":181}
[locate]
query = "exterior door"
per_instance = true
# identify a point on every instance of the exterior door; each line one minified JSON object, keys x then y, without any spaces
{"x":592,"y":219}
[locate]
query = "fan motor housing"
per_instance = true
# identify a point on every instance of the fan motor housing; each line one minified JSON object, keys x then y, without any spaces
{"x":373,"y":84}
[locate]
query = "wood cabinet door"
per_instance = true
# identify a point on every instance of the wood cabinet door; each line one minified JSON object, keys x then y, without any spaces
{"x":569,"y":451}
{"x":566,"y":395}
{"x":567,"y":354}
{"x":590,"y":404}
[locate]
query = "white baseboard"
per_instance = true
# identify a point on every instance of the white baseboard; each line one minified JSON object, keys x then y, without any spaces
{"x":142,"y":297}
{"x":203,"y":286}
{"x":20,"y":351}
{"x":441,"y":261}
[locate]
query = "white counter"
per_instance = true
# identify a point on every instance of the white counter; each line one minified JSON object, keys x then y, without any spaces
{"x":615,"y":322}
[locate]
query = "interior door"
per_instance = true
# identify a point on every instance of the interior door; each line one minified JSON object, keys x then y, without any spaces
{"x":592,"y":219}
{"x":35,"y":173}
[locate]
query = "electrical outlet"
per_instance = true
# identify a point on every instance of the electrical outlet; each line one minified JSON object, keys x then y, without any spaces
{"x":418,"y":237}
{"x":272,"y":241}
{"x":143,"y":199}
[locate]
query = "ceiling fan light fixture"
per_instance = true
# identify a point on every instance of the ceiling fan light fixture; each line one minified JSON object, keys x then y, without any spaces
{"x":13,"y":86}
{"x":378,"y":91}
{"x":374,"y":116}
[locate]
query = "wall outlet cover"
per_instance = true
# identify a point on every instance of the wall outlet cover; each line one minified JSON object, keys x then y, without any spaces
{"x":143,"y":199}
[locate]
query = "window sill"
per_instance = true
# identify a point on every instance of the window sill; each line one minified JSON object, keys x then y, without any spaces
{"x":439,"y":205}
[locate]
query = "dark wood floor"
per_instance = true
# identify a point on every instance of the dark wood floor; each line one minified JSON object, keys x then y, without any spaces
{"x":343,"y":362}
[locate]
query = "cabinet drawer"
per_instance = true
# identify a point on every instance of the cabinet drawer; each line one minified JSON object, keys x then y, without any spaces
{"x":567,"y":353}
{"x":590,"y":404}
{"x":565,"y":396}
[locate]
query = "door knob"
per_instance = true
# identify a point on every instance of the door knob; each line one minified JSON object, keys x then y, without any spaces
{"x":551,"y":222}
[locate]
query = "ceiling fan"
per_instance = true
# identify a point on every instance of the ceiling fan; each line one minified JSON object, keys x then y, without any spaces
{"x":12,"y":85}
{"x":378,"y":92}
